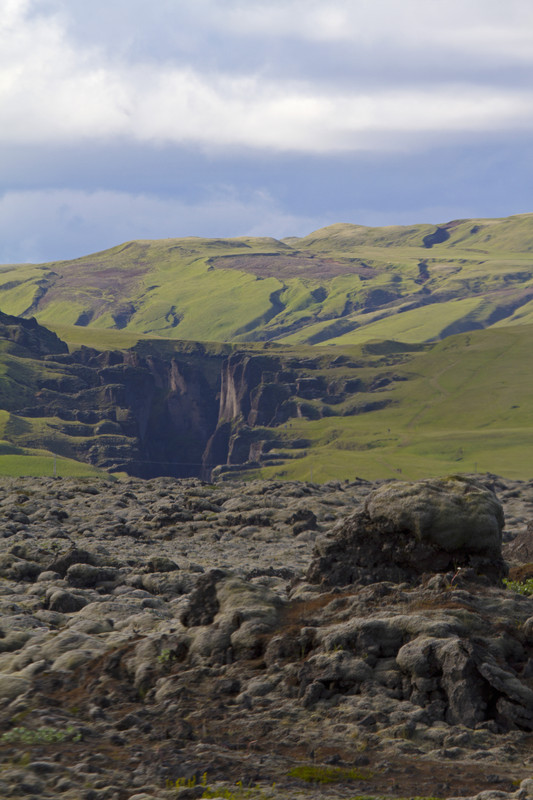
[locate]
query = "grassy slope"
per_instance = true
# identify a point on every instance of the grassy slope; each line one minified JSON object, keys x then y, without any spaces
{"x":33,"y":461}
{"x":182,"y":288}
{"x":466,"y":407}
{"x":26,"y":461}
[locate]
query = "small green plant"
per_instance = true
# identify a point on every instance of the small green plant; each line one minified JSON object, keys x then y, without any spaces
{"x":322,"y":775}
{"x":236,"y":792}
{"x":23,"y":735}
{"x":165,"y":656}
{"x":521,"y":587}
{"x":239,"y":793}
{"x":23,"y":760}
{"x":187,"y":783}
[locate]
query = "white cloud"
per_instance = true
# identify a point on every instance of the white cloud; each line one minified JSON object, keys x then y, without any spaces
{"x":480,"y":25}
{"x":38,"y":226}
{"x":52,"y":89}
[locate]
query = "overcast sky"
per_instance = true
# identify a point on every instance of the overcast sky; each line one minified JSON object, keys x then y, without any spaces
{"x":124,"y":119}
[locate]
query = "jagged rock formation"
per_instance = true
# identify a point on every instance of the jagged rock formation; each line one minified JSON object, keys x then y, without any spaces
{"x":28,"y":337}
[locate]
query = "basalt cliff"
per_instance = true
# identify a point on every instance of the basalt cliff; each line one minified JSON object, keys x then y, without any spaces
{"x":179,"y":409}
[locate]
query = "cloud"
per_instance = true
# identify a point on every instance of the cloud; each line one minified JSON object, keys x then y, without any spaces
{"x":484,"y":26}
{"x":123,"y":120}
{"x":470,"y":26}
{"x":52,"y":89}
{"x":38,"y":226}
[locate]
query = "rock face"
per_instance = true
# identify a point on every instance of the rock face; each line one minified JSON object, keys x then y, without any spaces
{"x":180,"y":409}
{"x":140,"y":412}
{"x":407,"y":529}
{"x":261,"y":391}
{"x":30,"y":337}
{"x":146,"y":411}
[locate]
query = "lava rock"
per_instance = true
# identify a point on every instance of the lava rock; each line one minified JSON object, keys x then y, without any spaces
{"x":408,"y":529}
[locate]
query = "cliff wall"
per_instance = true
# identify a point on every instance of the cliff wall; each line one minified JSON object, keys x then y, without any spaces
{"x":180,"y":409}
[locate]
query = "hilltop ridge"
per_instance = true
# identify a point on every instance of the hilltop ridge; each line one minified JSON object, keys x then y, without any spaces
{"x":350,"y":351}
{"x":340,"y":284}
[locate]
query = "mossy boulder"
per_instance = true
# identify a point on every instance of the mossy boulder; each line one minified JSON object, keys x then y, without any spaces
{"x":240,"y":615}
{"x":453,"y":513}
{"x":408,"y":529}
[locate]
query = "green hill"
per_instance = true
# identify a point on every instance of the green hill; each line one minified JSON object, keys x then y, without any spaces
{"x":378,"y":352}
{"x":461,"y":405}
{"x":341,"y":284}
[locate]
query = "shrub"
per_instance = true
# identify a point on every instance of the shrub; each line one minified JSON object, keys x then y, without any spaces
{"x":23,"y":735}
{"x":522,"y":587}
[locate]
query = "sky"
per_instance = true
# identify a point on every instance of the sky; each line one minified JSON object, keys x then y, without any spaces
{"x":129,"y":119}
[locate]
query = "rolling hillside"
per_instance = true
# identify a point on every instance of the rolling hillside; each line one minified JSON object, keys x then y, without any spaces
{"x":463,"y":405}
{"x":376,"y":352}
{"x":344,"y":284}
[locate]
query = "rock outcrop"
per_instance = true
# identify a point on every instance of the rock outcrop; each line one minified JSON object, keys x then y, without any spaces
{"x":30,"y":338}
{"x":407,"y":529}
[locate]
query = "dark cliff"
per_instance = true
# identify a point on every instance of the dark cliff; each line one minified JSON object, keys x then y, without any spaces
{"x":149,"y":415}
{"x":144,"y":411}
{"x":173,"y":408}
{"x":28,"y":338}
{"x":261,"y":393}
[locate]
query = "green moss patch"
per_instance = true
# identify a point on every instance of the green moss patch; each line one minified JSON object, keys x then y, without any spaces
{"x":311,"y":773}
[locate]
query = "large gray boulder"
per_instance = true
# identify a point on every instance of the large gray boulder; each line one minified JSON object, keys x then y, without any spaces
{"x":407,"y":529}
{"x":453,"y":513}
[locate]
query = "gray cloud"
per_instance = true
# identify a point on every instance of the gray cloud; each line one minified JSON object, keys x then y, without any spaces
{"x":125,"y":119}
{"x":55,"y":89}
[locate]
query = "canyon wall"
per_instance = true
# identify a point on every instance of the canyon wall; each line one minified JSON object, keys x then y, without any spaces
{"x":169,"y":408}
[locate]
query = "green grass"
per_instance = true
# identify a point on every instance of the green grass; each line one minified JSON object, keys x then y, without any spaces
{"x":322,"y":775}
{"x":187,"y":289}
{"x":511,"y":233}
{"x":40,"y":736}
{"x":99,"y":338}
{"x":32,"y":462}
{"x":419,"y":325}
{"x":466,"y":407}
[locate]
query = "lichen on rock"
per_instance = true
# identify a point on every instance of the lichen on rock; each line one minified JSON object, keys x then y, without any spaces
{"x":407,"y":529}
{"x":455,"y":513}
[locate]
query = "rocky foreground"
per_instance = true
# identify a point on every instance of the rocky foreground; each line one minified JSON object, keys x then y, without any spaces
{"x":168,"y":639}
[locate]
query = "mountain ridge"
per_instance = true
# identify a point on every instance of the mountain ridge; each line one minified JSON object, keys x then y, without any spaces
{"x":341,"y":284}
{"x":338,"y":353}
